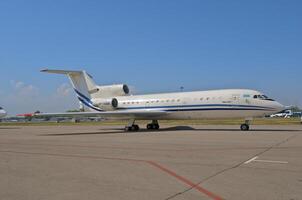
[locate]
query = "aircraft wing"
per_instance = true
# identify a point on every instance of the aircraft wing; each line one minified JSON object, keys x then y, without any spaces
{"x":120,"y":114}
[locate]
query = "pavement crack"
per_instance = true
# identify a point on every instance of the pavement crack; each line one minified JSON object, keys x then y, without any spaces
{"x":231,"y":168}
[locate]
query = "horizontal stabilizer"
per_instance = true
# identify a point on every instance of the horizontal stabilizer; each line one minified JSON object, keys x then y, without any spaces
{"x":61,"y":71}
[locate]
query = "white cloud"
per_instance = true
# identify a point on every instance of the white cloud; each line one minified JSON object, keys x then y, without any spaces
{"x":64,"y":90}
{"x":17,"y":84}
{"x":22,"y":97}
{"x":23,"y":90}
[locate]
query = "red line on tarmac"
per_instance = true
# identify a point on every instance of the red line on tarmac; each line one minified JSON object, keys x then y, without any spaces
{"x":152,"y":163}
{"x":186,"y":181}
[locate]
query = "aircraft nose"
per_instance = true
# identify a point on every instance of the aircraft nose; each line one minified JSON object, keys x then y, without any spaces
{"x":279,"y":107}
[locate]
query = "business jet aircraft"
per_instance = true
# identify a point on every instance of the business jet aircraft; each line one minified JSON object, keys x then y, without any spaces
{"x":284,"y":114}
{"x":2,"y":112}
{"x":115,"y":102}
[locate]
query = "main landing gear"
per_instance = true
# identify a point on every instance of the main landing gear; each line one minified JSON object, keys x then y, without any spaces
{"x":134,"y":127}
{"x":153,"y":126}
{"x":131,"y":126}
{"x":246,"y":125}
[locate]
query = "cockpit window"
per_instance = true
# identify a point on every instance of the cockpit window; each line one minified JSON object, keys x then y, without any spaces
{"x":262,"y":97}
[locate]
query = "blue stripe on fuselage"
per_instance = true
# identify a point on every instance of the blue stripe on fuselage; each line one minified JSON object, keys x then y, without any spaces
{"x":198,"y":105}
{"x":83,"y":96}
{"x":210,"y":109}
{"x":89,"y":105}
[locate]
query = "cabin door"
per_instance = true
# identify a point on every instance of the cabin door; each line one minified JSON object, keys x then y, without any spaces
{"x":235,"y":98}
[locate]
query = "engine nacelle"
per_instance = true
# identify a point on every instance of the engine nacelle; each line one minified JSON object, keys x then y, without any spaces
{"x":110,"y":91}
{"x":108,"y":104}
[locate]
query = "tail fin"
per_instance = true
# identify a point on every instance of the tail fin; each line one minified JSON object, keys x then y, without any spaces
{"x":82,"y":83}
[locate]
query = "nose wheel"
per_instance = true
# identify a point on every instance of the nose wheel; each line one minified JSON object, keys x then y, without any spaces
{"x":245,"y":127}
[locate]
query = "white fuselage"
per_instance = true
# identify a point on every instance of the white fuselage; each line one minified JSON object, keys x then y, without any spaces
{"x":228,"y":103}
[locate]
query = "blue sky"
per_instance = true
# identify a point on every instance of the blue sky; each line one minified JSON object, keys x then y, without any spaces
{"x":155,"y":46}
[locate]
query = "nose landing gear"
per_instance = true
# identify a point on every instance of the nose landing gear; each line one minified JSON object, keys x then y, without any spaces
{"x":246,"y":125}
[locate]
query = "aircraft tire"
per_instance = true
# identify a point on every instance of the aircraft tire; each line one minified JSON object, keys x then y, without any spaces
{"x":135,"y":127}
{"x":149,"y":126}
{"x":128,"y":128}
{"x":132,"y":128}
{"x":155,"y":126}
{"x":152,"y":126}
{"x":244,"y":127}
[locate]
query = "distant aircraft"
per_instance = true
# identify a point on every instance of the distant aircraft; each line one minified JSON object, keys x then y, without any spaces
{"x":2,"y":112}
{"x":27,"y":116}
{"x":115,"y":102}
{"x":284,"y":114}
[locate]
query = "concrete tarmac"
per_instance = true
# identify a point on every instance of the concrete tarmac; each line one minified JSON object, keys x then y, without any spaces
{"x":103,"y":162}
